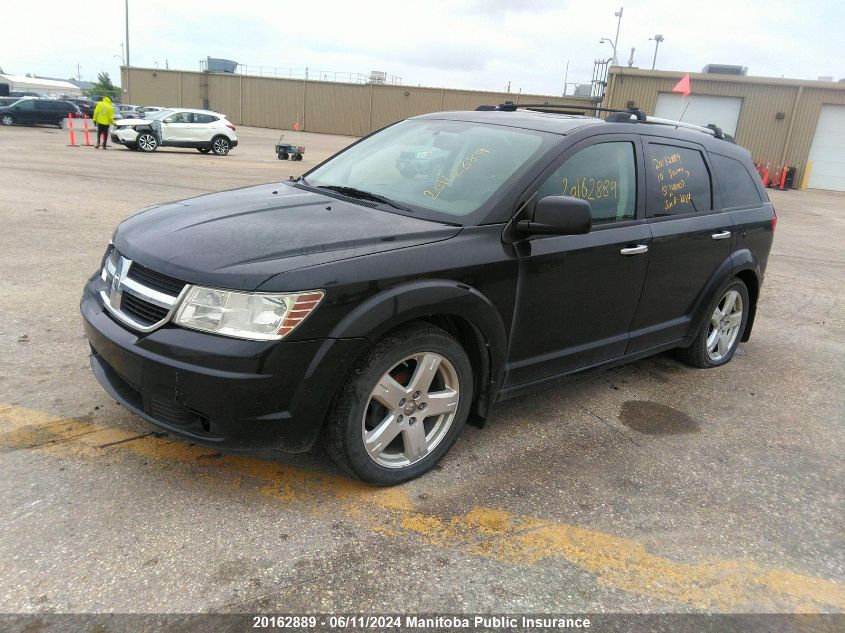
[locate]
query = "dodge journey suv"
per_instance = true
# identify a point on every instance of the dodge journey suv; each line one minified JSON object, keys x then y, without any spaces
{"x":426,"y":272}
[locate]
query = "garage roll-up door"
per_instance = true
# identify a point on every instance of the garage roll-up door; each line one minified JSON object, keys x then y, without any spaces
{"x":828,"y":150}
{"x":700,"y":110}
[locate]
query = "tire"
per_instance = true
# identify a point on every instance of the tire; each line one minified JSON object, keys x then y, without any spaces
{"x":719,"y":336}
{"x":283,"y":156}
{"x":203,"y":150}
{"x":220,"y":145}
{"x":297,"y":156}
{"x":415,"y":442}
{"x":147,"y":142}
{"x":7,"y":119}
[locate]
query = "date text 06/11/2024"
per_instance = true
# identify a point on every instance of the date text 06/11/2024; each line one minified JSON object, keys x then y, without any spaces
{"x":485,"y":622}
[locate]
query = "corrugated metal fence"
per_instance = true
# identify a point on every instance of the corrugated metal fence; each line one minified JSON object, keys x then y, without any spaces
{"x":318,"y":106}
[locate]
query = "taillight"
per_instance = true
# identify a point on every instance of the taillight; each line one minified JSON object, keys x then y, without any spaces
{"x":774,"y":219}
{"x":230,"y":126}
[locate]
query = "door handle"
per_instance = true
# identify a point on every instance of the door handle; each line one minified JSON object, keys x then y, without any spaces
{"x":721,"y":236}
{"x":639,"y":249}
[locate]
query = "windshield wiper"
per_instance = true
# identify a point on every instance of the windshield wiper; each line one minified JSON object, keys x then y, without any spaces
{"x":352,"y":192}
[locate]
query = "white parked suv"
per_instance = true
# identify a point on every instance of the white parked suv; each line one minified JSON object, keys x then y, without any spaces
{"x":203,"y":130}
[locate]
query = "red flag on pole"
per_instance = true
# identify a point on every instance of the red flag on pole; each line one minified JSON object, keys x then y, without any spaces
{"x":683,"y":86}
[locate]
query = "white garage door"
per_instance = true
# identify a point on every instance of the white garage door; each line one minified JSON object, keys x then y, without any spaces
{"x":700,"y":110}
{"x":828,"y":150}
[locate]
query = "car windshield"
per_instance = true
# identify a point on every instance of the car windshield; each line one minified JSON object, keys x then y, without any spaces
{"x":155,"y":116}
{"x":438,"y":169}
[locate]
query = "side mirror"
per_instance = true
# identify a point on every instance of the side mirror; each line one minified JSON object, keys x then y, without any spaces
{"x":559,"y":215}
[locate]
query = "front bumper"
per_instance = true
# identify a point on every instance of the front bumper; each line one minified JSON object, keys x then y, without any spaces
{"x":231,"y":393}
{"x":124,"y":135}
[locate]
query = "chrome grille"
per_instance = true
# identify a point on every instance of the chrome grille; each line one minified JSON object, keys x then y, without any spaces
{"x":137,"y":296}
{"x":145,"y":312}
{"x":157,"y":281}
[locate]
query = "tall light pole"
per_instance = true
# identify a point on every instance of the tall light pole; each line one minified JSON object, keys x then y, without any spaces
{"x":609,"y":41}
{"x":127,"y":32}
{"x":618,"y":14}
{"x":657,"y":39}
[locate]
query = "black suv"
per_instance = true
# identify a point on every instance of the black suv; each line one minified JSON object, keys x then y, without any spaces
{"x":30,"y":111}
{"x":377,"y":308}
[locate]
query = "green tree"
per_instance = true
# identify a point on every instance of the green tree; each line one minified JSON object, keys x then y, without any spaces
{"x":103,"y":87}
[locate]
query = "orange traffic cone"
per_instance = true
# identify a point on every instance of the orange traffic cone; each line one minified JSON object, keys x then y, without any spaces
{"x":296,"y":126}
{"x":70,"y":126}
{"x":85,"y":125}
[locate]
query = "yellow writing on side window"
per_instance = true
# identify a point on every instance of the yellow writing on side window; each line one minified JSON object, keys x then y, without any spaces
{"x":591,"y":188}
{"x":446,"y":181}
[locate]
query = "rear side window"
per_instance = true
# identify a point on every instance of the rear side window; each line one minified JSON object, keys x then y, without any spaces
{"x":738,"y":186}
{"x":679,"y":181}
{"x":605,"y":175}
{"x":43,"y":105}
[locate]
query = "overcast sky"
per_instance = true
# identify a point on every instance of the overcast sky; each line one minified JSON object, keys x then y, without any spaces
{"x":477,"y":44}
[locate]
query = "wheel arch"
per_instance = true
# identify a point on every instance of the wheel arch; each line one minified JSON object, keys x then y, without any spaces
{"x":460,"y":310}
{"x":741,"y":264}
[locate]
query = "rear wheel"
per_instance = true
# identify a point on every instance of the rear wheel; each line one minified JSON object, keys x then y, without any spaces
{"x":220,"y":145}
{"x":147,"y":142}
{"x":283,"y":156}
{"x":402,"y":408}
{"x":719,"y":337}
{"x":7,"y":119}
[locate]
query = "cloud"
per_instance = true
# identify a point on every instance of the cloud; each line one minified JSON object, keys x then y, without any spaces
{"x":478,"y":44}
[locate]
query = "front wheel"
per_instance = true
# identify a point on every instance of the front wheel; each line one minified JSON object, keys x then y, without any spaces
{"x":402,"y":408}
{"x":220,"y":145}
{"x":719,"y":337}
{"x":7,"y":119}
{"x":147,"y":142}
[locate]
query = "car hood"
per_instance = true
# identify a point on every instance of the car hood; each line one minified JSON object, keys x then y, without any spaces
{"x":238,"y":239}
{"x":132,"y":121}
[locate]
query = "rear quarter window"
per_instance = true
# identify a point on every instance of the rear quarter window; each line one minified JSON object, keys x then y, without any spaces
{"x":679,"y":181}
{"x":737,"y":184}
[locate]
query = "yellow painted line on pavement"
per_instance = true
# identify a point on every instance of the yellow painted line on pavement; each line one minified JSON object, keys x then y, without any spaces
{"x":718,"y":585}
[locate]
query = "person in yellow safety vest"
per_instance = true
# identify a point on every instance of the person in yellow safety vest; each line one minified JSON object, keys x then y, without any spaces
{"x":103,"y":117}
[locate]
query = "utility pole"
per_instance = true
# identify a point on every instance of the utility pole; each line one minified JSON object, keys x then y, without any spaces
{"x":565,"y":77}
{"x":127,"y":31}
{"x":78,"y":72}
{"x":618,"y":14}
{"x":657,"y":39}
{"x":631,"y":58}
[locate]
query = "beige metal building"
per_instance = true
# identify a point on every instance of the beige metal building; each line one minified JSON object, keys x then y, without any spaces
{"x":800,"y":123}
{"x":317,"y":106}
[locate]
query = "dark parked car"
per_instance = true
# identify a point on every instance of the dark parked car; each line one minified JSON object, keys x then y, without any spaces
{"x":86,"y":106}
{"x":376,"y":311}
{"x":31,"y":111}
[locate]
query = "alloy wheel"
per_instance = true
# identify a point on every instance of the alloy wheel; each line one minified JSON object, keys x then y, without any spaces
{"x":410,"y":410}
{"x":7,"y":119}
{"x":221,"y":146}
{"x":147,"y":142}
{"x":724,"y":325}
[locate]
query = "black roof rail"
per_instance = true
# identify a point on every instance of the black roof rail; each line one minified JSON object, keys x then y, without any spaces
{"x":617,"y":115}
{"x":510,"y":106}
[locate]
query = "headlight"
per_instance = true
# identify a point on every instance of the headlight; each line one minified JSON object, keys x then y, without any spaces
{"x":258,"y":316}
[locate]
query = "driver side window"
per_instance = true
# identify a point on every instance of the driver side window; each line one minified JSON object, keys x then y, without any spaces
{"x":605,"y":175}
